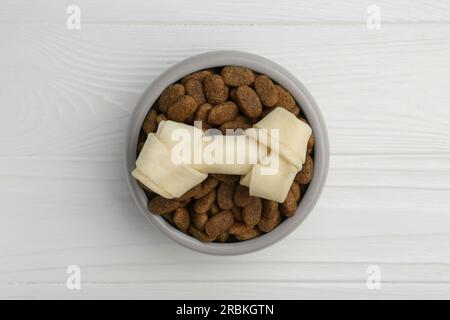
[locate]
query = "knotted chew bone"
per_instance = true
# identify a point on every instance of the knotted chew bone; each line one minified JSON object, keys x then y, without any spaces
{"x":172,"y":163}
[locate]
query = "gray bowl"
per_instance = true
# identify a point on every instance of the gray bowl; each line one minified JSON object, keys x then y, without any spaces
{"x":285,"y":79}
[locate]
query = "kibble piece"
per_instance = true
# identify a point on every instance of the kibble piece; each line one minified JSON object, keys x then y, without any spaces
{"x":190,"y":193}
{"x":234,"y":125}
{"x":289,"y":206}
{"x":150,"y":124}
{"x":199,"y":234}
{"x":304,"y":176}
{"x":161,"y":205}
{"x":295,"y":111}
{"x":170,"y":95}
{"x":182,"y":219}
{"x":226,"y":178}
{"x":182,"y":110}
{"x":237,"y":76}
{"x":161,"y":117}
{"x":252,"y":233}
{"x":285,"y":100}
{"x":202,"y":205}
{"x":225,"y":193}
{"x":266,"y":91}
{"x":222,"y":113}
{"x":251,"y":214}
{"x":194,"y":88}
{"x":199,"y":220}
{"x":202,"y":115}
{"x":219,"y":224}
{"x":248,"y":102}
{"x":215,"y":89}
{"x":239,"y":228}
{"x":241,"y":197}
{"x":206,"y":187}
{"x":223,"y":237}
{"x":296,"y":190}
{"x":270,"y":215}
{"x":199,"y":75}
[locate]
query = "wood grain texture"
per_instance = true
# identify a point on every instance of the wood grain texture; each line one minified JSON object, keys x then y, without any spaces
{"x":247,"y":12}
{"x":65,"y":98}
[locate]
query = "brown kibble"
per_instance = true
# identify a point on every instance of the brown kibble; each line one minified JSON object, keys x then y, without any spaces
{"x":223,"y":237}
{"x":170,"y":95}
{"x":182,"y":219}
{"x":226,"y":178}
{"x":289,"y":205}
{"x":160,"y":205}
{"x":241,"y":197}
{"x":295,"y":111}
{"x":270,"y":215}
{"x":269,"y":207}
{"x":305,"y":175}
{"x":199,"y":75}
{"x":237,"y":76}
{"x":248,"y":102}
{"x":202,"y":205}
{"x":222,"y":113}
{"x":194,"y":88}
{"x":206,"y":187}
{"x":199,"y":220}
{"x":252,"y":233}
{"x":161,"y":117}
{"x":225,"y":193}
{"x":215,"y":89}
{"x":296,"y":190}
{"x":239,"y":228}
{"x":202,"y":115}
{"x":266,"y":91}
{"x":150,"y":124}
{"x":234,"y":125}
{"x":199,"y":234}
{"x":218,"y":224}
{"x":251,"y":214}
{"x":190,"y":193}
{"x":285,"y":100}
{"x":182,"y":110}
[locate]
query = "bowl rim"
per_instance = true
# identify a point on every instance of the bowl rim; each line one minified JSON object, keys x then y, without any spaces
{"x":260,"y":65}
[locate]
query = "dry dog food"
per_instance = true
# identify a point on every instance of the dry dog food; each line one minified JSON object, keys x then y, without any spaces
{"x":220,"y":208}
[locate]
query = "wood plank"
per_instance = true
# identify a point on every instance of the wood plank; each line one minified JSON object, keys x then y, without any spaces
{"x":225,"y":291}
{"x":169,"y":12}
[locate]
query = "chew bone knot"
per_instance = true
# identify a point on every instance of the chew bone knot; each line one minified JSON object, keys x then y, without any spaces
{"x":170,"y":163}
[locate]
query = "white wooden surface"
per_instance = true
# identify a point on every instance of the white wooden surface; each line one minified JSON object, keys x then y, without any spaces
{"x":65,"y":98}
